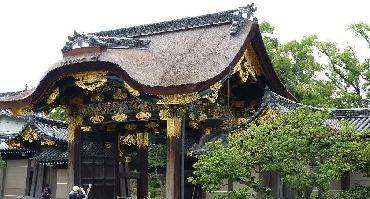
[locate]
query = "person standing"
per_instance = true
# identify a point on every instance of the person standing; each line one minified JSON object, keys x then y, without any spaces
{"x":46,"y":192}
{"x":74,"y":193}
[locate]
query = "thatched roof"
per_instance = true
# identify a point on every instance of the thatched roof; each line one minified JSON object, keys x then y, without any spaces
{"x":173,"y":57}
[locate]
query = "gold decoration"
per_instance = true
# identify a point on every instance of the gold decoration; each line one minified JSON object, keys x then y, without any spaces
{"x":131,"y":90}
{"x":267,"y":114}
{"x":97,"y":98}
{"x":143,"y":115}
{"x":14,"y":145}
{"x":48,"y":142}
{"x":97,"y":119}
{"x":90,"y":80}
{"x":119,"y":95}
{"x":164,"y":114}
{"x":202,"y":117}
{"x":29,"y":135}
{"x":130,"y":127}
{"x":234,"y":121}
{"x":142,"y":140}
{"x":174,"y":127}
{"x":53,"y":96}
{"x":248,"y":65}
{"x":193,"y":124}
{"x":86,"y":128}
{"x":192,"y":116}
{"x":179,"y":98}
{"x":27,"y":110}
{"x":74,"y":122}
{"x":208,"y":130}
{"x":129,"y":140}
{"x":213,"y":95}
{"x":119,"y":117}
{"x":152,"y":125}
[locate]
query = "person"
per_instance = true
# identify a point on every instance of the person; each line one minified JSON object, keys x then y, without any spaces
{"x":74,"y":193}
{"x":81,"y":194}
{"x":46,"y":192}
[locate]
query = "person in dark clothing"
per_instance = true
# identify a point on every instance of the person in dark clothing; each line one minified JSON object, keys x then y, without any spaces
{"x":74,"y":193}
{"x":46,"y":192}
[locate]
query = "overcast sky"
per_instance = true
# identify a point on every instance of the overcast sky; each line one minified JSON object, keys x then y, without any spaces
{"x":33,"y":32}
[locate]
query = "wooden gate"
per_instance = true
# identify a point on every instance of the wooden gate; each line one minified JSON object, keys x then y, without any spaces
{"x":99,"y":164}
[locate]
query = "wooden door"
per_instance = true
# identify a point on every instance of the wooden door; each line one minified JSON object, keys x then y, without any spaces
{"x":99,"y":164}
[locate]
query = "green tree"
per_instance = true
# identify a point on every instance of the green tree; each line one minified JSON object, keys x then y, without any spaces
{"x":307,"y":150}
{"x":58,"y":113}
{"x":320,"y":73}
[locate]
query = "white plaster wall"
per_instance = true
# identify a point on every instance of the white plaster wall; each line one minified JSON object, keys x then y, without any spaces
{"x":62,"y":184}
{"x":11,"y":125}
{"x":359,"y":179}
{"x":15,"y":181}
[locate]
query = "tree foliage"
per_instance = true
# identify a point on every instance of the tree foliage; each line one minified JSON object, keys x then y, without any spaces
{"x":301,"y":145}
{"x":320,"y":73}
{"x":58,"y":113}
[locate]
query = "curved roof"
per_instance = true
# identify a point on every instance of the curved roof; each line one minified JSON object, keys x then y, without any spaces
{"x":174,"y":57}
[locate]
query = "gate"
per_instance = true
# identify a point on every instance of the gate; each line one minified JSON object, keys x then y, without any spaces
{"x":99,"y":164}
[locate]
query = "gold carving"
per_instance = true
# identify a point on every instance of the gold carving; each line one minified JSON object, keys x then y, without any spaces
{"x":74,"y":122}
{"x":48,"y":142}
{"x":208,"y":130}
{"x":130,"y":127}
{"x":174,"y":127}
{"x":131,"y":90}
{"x":213,"y":95}
{"x":248,"y":65}
{"x":29,"y":135}
{"x":267,"y":114}
{"x":142,"y":140}
{"x":152,"y":125}
{"x":119,"y":117}
{"x":90,"y":80}
{"x":97,"y":98}
{"x":129,"y":140}
{"x":97,"y":119}
{"x":202,"y":117}
{"x":164,"y":114}
{"x":27,"y":110}
{"x":143,"y":115}
{"x":119,"y":94}
{"x":86,"y":128}
{"x":193,"y":124}
{"x":179,"y":98}
{"x":53,"y":96}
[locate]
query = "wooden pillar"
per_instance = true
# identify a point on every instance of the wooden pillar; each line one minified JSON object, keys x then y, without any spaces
{"x":142,"y":182}
{"x":173,"y":173}
{"x":74,"y":126}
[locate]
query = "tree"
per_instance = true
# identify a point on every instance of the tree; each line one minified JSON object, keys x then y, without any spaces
{"x":300,"y":145}
{"x":58,"y":113}
{"x":320,"y":73}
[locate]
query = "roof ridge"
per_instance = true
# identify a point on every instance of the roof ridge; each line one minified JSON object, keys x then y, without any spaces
{"x":125,"y":37}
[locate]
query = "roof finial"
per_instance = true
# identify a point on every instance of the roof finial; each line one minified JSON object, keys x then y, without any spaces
{"x":25,"y":87}
{"x":241,"y":15}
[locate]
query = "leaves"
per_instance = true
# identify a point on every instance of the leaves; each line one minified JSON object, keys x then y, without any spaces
{"x":320,"y":73}
{"x":300,"y":145}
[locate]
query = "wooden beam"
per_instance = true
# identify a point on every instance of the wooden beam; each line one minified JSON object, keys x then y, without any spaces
{"x":142,"y":182}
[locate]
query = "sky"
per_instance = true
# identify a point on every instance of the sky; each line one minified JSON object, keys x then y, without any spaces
{"x":33,"y":32}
